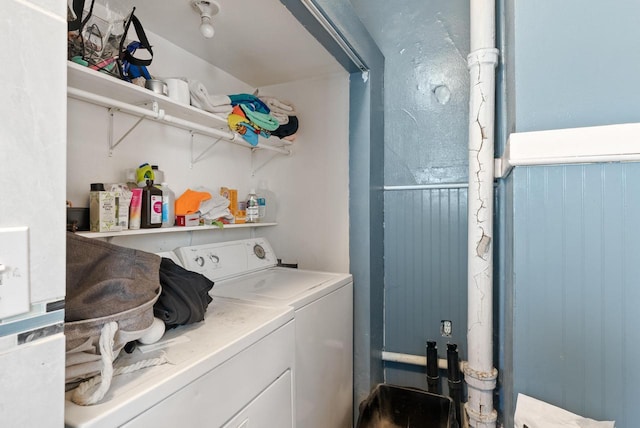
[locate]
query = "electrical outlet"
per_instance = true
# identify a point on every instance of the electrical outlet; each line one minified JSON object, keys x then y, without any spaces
{"x":14,"y":271}
{"x":446,"y":328}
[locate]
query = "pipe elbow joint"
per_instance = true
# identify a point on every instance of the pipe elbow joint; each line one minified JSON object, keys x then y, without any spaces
{"x":483,"y":56}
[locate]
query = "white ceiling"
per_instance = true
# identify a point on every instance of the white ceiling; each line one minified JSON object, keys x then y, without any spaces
{"x":258,"y":41}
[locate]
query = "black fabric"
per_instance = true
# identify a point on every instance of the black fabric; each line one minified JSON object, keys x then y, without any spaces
{"x":185,"y":295}
{"x":142,"y":38}
{"x":287,"y":129}
{"x":78,"y":9}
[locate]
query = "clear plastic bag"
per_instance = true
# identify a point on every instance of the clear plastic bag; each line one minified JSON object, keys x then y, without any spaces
{"x":95,"y":31}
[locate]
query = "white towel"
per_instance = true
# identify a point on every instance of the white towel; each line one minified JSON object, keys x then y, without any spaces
{"x":201,"y":99}
{"x":534,"y":413}
{"x":216,"y":214}
{"x":215,"y":204}
{"x":280,"y":109}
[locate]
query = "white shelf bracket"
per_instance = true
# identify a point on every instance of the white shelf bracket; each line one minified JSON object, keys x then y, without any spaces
{"x":255,"y":169}
{"x":195,"y":159}
{"x":112,"y":144}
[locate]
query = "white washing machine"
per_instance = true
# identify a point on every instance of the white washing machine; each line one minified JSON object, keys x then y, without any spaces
{"x":232,"y":370}
{"x":247,"y":271}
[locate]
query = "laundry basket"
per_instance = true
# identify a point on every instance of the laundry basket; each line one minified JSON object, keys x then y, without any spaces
{"x":390,"y":406}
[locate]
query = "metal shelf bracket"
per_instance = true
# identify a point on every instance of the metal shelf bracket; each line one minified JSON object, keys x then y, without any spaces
{"x":112,"y":145}
{"x":255,"y":169}
{"x":195,"y":159}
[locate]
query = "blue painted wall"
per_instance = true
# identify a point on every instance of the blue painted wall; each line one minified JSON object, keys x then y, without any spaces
{"x":425,"y":45}
{"x":576,"y":63}
{"x":563,"y":64}
{"x":576,"y":264}
{"x":570,"y":255}
{"x":425,"y":279}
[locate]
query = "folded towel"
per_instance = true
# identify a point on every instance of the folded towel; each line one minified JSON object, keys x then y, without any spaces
{"x":216,"y":204}
{"x":259,"y":119}
{"x":280,"y":109}
{"x":236,"y":119}
{"x":238,"y":122}
{"x":201,"y":99}
{"x":279,"y":106}
{"x":218,"y":213}
{"x":282,"y":119}
{"x":249,"y":99}
{"x":189,"y":202}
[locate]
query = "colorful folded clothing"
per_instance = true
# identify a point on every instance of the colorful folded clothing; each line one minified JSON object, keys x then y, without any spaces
{"x":259,"y":119}
{"x":249,"y":99}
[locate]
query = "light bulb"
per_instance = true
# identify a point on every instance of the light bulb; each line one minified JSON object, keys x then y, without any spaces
{"x":206,"y":28}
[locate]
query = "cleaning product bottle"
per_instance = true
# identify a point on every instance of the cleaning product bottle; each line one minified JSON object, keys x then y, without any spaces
{"x":252,"y":209}
{"x":262,"y":207}
{"x":158,"y":175}
{"x":270,"y":206}
{"x":144,"y":173}
{"x":130,"y":178}
{"x":168,"y":206}
{"x":151,"y":215}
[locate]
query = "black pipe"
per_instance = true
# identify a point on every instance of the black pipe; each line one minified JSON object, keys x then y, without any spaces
{"x":433,"y":377}
{"x":455,"y":379}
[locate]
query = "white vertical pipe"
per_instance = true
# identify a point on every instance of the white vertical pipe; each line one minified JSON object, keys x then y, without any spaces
{"x":480,"y":375}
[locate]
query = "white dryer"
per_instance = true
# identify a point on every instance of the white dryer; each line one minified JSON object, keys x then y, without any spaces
{"x":247,"y":271}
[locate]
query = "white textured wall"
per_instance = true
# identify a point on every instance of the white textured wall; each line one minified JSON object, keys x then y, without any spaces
{"x":32,"y":136}
{"x":32,"y":193}
{"x":312,"y":186}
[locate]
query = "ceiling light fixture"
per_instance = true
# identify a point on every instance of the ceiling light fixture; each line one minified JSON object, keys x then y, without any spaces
{"x":207,"y":9}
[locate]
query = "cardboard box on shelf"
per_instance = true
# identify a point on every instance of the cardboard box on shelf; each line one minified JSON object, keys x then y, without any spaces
{"x":104,"y":211}
{"x":188,"y":220}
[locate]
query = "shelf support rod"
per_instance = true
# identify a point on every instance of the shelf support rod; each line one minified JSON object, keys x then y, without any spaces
{"x":159,"y":115}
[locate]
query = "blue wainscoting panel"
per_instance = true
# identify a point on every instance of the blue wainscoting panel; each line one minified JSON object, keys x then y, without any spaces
{"x":425,"y":274}
{"x":576,"y":287}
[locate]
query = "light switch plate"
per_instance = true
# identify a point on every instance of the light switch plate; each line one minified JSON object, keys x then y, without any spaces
{"x":14,"y":271}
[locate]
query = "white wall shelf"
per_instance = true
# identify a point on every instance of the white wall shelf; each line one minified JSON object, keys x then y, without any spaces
{"x":606,"y":143}
{"x":175,"y":229}
{"x":117,"y":95}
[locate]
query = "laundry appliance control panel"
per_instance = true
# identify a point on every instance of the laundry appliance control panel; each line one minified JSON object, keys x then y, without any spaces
{"x":224,"y":260}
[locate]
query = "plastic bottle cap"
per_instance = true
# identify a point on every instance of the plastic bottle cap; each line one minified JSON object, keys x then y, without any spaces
{"x":97,"y":187}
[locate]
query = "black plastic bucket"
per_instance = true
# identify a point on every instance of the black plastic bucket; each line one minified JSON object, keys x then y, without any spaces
{"x":390,"y":406}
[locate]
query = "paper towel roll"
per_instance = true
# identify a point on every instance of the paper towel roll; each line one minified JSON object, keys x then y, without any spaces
{"x":178,"y":90}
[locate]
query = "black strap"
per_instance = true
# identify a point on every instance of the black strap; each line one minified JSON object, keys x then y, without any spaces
{"x":78,"y":9}
{"x":142,"y":38}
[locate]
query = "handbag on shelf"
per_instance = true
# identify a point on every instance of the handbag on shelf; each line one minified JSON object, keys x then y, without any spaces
{"x":111,"y":291}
